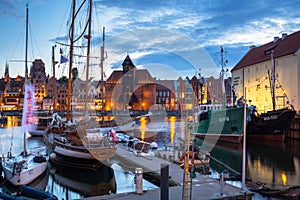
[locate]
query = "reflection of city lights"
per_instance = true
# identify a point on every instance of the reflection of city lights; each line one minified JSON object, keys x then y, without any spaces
{"x":12,"y":121}
{"x":172,"y":128}
{"x":143,"y":127}
{"x":283,"y":178}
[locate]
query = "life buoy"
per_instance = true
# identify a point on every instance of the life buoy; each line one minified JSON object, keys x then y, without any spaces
{"x":183,"y":157}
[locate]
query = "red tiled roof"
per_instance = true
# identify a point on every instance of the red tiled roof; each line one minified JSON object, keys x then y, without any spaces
{"x":282,"y":47}
{"x":115,"y":76}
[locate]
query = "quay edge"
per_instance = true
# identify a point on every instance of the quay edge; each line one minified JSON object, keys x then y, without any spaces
{"x":203,"y":186}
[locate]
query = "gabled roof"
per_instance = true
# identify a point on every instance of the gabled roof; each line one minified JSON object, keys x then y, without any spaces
{"x":283,"y":46}
{"x":115,"y":76}
{"x":128,"y":61}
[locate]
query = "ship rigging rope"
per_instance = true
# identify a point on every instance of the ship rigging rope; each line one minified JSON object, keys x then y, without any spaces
{"x":285,"y":94}
{"x":262,"y":77}
{"x":85,"y":27}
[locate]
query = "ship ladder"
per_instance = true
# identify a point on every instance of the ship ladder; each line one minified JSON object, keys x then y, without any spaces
{"x":187,"y":171}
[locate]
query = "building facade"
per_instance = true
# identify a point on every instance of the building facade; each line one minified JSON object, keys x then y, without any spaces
{"x":252,"y":76}
{"x":126,"y":89}
{"x":135,"y":89}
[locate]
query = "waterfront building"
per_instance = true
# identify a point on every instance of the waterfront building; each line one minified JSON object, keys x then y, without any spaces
{"x":49,"y":101}
{"x":165,"y":94}
{"x":11,"y":92}
{"x":39,"y":80}
{"x":135,"y":89}
{"x":186,"y":96}
{"x":253,"y":72}
{"x":126,"y":89}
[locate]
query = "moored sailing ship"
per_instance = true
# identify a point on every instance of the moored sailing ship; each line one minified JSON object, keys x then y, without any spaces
{"x":271,"y":125}
{"x":274,"y":124}
{"x":30,"y":164}
{"x":82,"y":144}
{"x":218,"y":122}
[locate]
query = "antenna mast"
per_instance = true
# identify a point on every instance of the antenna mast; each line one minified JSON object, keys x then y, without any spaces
{"x":222,"y":79}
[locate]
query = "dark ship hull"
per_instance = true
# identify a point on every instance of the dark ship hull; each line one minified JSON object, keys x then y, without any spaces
{"x":271,"y":125}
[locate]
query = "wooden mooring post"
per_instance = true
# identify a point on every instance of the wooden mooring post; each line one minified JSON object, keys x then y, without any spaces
{"x":294,"y":131}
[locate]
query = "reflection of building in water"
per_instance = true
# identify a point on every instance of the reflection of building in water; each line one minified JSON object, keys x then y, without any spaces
{"x":275,"y":164}
{"x":86,"y":182}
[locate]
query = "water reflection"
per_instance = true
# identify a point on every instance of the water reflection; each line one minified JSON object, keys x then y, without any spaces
{"x":39,"y":183}
{"x":63,"y":181}
{"x":172,"y":128}
{"x":83,"y":182}
{"x":12,"y":121}
{"x":274,"y":163}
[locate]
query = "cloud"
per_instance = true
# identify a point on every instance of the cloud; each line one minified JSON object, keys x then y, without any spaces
{"x":192,"y":30}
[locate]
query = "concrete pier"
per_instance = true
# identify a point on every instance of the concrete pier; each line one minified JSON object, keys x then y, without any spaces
{"x":203,"y":187}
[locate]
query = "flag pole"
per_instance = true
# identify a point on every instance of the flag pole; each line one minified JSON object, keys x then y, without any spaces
{"x":244,"y":144}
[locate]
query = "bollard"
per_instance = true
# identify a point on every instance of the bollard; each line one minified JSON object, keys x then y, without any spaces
{"x":139,"y":180}
{"x":222,"y":176}
{"x":164,"y":181}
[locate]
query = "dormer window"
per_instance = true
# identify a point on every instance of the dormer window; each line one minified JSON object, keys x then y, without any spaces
{"x":270,"y":49}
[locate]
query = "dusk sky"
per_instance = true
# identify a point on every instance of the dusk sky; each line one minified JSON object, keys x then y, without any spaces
{"x":166,"y":37}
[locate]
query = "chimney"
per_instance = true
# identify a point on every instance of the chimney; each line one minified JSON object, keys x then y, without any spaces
{"x":276,"y":39}
{"x":284,"y":35}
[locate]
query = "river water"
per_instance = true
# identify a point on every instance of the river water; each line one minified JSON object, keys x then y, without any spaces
{"x":68,"y":182}
{"x":275,"y":164}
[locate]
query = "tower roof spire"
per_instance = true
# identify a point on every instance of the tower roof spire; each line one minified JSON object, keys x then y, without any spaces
{"x":6,"y":72}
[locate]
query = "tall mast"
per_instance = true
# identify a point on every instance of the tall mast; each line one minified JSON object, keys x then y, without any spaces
{"x":273,"y":80}
{"x":88,"y":59}
{"x":26,"y":46}
{"x":102,"y":73}
{"x":71,"y":61}
{"x":26,"y":72}
{"x":222,"y":79}
{"x":53,"y":79}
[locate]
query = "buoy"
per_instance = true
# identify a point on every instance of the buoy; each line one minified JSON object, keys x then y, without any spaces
{"x":153,"y":145}
{"x":183,"y":157}
{"x":53,"y":156}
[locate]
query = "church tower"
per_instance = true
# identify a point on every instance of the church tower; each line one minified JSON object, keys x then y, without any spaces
{"x":6,"y":72}
{"x":128,"y":80}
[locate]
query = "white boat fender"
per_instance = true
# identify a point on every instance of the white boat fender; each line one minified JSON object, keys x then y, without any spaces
{"x":52,"y":156}
{"x":153,"y":145}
